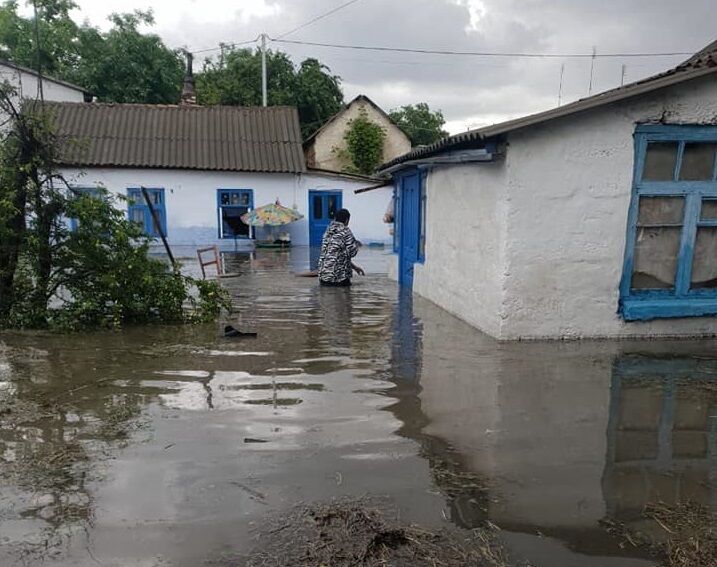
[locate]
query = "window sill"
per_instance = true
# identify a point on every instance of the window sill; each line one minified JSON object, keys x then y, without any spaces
{"x":633,"y":309}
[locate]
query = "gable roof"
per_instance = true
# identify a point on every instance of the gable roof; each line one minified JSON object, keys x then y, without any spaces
{"x":359,"y":98}
{"x":221,"y":138}
{"x":11,"y":65}
{"x":701,"y":64}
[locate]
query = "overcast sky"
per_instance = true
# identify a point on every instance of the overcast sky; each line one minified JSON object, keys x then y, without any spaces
{"x":471,"y":91}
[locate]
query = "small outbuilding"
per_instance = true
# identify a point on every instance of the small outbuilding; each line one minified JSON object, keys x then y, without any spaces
{"x":594,"y":219}
{"x":326,"y":148}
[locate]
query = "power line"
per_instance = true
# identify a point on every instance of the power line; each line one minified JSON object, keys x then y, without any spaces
{"x":317,"y":18}
{"x":480,"y":53}
{"x":224,"y":45}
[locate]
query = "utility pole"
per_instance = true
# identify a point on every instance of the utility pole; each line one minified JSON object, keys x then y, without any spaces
{"x":40,"y":87}
{"x":622,"y":75}
{"x":560,"y":88}
{"x":592,"y":68}
{"x":263,"y":70}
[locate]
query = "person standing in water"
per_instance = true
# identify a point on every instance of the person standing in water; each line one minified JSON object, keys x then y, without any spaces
{"x":338,"y":248}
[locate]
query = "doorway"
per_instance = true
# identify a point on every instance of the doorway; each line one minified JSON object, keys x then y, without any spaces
{"x":322,"y":209}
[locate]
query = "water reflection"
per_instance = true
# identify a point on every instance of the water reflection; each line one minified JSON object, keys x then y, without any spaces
{"x":662,"y":434}
{"x":164,"y":435}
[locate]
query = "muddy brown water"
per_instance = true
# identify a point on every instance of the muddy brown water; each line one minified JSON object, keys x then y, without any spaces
{"x":170,"y":446}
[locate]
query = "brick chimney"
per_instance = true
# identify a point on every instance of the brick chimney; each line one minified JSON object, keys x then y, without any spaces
{"x":189,"y":94}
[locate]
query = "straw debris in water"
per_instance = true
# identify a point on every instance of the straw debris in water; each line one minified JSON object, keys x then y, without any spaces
{"x":350,"y":534}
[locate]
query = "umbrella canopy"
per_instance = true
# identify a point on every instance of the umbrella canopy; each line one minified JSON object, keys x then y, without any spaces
{"x":273,"y":214}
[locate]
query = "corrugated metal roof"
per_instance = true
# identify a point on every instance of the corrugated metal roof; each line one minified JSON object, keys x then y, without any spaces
{"x":703,"y":63}
{"x":222,"y":138}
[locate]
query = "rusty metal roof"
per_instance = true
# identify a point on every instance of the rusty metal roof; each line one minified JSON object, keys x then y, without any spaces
{"x":702,"y":63}
{"x":221,"y":138}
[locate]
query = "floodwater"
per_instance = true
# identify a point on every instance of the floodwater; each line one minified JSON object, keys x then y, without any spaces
{"x":169,"y":446}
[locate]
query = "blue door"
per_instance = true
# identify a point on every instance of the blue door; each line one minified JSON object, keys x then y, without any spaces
{"x":322,"y":208}
{"x":409,"y":200}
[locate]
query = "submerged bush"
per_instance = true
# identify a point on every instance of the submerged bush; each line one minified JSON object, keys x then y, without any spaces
{"x":103,"y":277}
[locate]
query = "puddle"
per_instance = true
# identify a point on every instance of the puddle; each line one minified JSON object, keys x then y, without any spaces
{"x":170,"y":446}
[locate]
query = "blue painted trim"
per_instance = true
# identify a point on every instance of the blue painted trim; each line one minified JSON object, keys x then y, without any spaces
{"x":135,"y":201}
{"x":645,"y":310}
{"x":641,"y":305}
{"x":678,"y":132}
{"x":317,"y":229}
{"x":229,"y":190}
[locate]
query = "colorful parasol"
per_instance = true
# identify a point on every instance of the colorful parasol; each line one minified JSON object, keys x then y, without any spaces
{"x":274,"y":214}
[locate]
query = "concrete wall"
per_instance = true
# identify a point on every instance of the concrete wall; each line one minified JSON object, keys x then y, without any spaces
{"x":465,"y":235}
{"x":27,"y":86}
{"x":533,"y":246}
{"x":322,"y":154}
{"x":191,"y":200}
{"x":569,"y":189}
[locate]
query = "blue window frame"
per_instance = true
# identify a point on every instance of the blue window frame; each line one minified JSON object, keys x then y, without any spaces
{"x":94,"y":192}
{"x":670,"y":267}
{"x":138,"y":211}
{"x":231,"y":205}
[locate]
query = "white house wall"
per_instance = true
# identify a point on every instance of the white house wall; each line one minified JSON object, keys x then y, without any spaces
{"x":191,"y":200}
{"x":27,"y":86}
{"x":532,"y":246}
{"x":569,"y":189}
{"x":465,"y":233}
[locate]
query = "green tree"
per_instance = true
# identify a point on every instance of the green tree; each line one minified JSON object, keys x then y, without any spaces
{"x":125,"y":65}
{"x":120,"y":65}
{"x":97,"y":275}
{"x":422,"y":125}
{"x":58,"y":52}
{"x":364,"y":144}
{"x":235,"y":79}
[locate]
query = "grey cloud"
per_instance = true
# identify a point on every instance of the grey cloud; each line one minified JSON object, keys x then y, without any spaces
{"x":466,"y":88}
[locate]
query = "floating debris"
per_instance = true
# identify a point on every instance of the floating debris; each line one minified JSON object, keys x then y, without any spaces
{"x":349,"y":533}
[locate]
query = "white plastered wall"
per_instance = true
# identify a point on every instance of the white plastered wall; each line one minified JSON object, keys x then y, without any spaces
{"x":465,"y":235}
{"x":332,"y":136}
{"x":191,"y":199}
{"x":27,"y":86}
{"x":532,"y":246}
{"x":570,"y":183}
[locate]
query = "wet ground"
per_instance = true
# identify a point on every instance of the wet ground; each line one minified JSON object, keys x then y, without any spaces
{"x":170,"y":446}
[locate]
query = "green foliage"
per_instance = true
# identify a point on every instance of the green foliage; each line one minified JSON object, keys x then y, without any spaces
{"x":422,"y":125}
{"x":364,"y":144}
{"x":99,"y":275}
{"x":120,"y":65}
{"x":235,"y":79}
{"x":125,"y":65}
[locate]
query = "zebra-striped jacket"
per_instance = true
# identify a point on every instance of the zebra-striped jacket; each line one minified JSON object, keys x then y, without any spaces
{"x":337,"y":248}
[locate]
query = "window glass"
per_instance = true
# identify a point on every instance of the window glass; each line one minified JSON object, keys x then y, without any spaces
{"x":661,"y":211}
{"x":157,"y":197}
{"x":318,"y":205}
{"x":137,"y":216}
{"x":698,"y":162}
{"x":704,"y":260}
{"x":709,"y":209}
{"x":225,"y":198}
{"x":333,"y":202}
{"x":660,"y":160}
{"x":655,"y":263}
